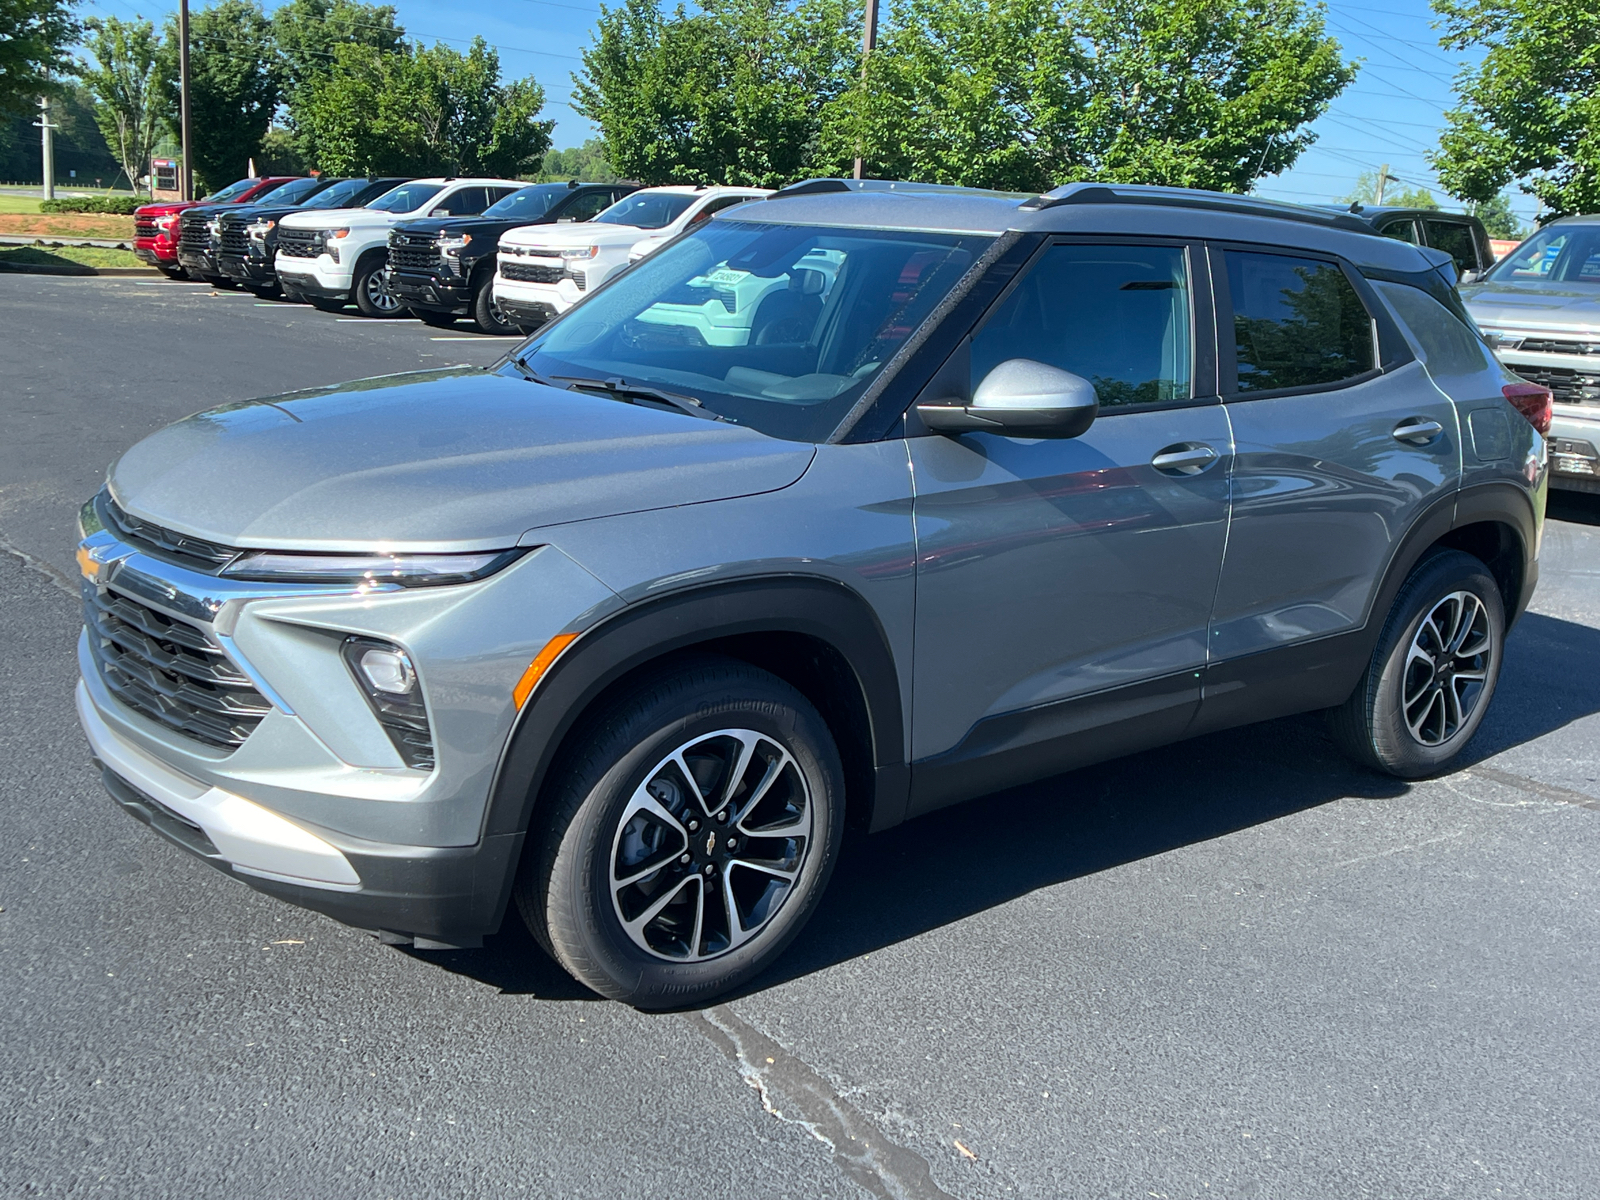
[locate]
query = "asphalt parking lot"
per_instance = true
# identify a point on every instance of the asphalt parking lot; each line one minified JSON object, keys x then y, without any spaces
{"x":1236,"y":967}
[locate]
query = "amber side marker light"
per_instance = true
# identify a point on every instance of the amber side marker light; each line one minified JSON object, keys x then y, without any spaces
{"x":536,"y":669}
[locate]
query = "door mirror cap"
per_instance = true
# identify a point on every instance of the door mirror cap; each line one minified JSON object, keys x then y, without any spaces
{"x":1020,"y":398}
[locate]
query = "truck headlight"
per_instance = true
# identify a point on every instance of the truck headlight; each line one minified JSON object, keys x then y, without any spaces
{"x":331,"y":239}
{"x":258,"y":230}
{"x":371,"y":570}
{"x":580,"y":252}
{"x":454,"y":245}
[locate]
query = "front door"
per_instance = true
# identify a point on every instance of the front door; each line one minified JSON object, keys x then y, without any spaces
{"x":1064,"y":585}
{"x":1337,"y":454}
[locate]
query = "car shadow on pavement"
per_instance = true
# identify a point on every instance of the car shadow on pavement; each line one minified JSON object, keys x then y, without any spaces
{"x":1580,"y":508}
{"x":974,"y":856}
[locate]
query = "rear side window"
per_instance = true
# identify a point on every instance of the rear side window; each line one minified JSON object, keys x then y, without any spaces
{"x":468,"y":202}
{"x":1455,"y":239}
{"x":1401,"y":231}
{"x":586,"y":207}
{"x":1448,"y":346}
{"x":1116,"y":315}
{"x":1297,"y":322}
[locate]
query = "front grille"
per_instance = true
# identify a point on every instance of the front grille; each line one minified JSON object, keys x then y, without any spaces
{"x":195,"y":237}
{"x":235,"y":241}
{"x":531,"y":273}
{"x":145,"y":227}
{"x":299,"y":243}
{"x":1568,"y":386}
{"x":408,"y":252}
{"x":195,"y":553}
{"x":579,"y":278}
{"x":166,"y":669}
{"x":1559,"y":346}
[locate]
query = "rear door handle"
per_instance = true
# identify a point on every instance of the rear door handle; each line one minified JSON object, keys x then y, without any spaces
{"x":1419,"y":431}
{"x":1185,"y":458}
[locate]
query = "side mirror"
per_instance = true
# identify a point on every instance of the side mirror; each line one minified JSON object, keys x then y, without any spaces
{"x":1021,"y":398}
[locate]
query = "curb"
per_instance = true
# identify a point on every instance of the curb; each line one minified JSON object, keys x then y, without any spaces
{"x":50,"y":269}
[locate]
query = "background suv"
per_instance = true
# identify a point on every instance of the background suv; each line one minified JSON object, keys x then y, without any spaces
{"x":626,"y":629}
{"x":1540,"y":310}
{"x":248,"y":237}
{"x":1461,"y":236}
{"x":337,"y":257}
{"x":545,"y":270}
{"x":444,"y":267}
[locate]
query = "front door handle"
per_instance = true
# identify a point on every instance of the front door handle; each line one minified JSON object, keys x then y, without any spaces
{"x":1185,"y":458}
{"x":1419,"y":431}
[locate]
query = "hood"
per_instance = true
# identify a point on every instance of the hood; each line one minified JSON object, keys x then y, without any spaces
{"x":165,"y":208}
{"x":487,"y":226}
{"x":458,"y":459}
{"x":578,"y":233}
{"x":246,"y":213}
{"x":324,"y":218}
{"x":1534,"y":305}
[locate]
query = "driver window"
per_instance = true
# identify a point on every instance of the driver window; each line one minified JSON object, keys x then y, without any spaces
{"x":1119,"y":316}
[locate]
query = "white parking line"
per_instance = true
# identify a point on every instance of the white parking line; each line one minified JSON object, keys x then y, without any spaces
{"x":372,"y":320}
{"x":482,"y":337}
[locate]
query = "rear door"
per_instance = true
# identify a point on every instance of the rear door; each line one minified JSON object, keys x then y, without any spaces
{"x":1341,"y":442}
{"x":1064,"y":585}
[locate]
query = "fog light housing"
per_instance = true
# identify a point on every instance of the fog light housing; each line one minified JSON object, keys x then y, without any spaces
{"x":388,"y":680}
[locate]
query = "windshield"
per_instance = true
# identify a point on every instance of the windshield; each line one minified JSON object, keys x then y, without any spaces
{"x":1557,"y":254}
{"x":289,"y":193}
{"x":529,"y":203}
{"x":339,"y":195}
{"x":778,"y":327}
{"x":648,"y":210}
{"x":408,"y":197}
{"x":232,"y":191}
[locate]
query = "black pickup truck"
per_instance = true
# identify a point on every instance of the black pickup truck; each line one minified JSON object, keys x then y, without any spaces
{"x":443,"y":267}
{"x":197,"y":229}
{"x":248,"y":237}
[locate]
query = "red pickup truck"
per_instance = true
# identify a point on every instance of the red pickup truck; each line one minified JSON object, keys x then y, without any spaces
{"x":155,"y":226}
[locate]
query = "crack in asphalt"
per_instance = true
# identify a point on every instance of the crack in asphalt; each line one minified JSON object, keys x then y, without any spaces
{"x":794,"y":1092}
{"x":49,"y":570}
{"x":1534,"y":787}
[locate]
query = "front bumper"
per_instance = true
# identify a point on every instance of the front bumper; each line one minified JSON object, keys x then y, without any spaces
{"x":534,"y":302}
{"x":436,"y":293}
{"x":1575,"y":450}
{"x":200,"y":264}
{"x":158,"y":252}
{"x":247,"y":270}
{"x":314,"y":806}
{"x":320,"y":277}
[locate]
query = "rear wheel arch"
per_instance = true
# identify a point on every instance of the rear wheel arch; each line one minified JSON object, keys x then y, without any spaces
{"x":814,"y":633}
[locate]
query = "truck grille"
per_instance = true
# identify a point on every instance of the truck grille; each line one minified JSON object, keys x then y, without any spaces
{"x":195,"y":553}
{"x":195,"y":237}
{"x":299,"y":243}
{"x":531,"y":273}
{"x":1568,"y":386}
{"x":1560,"y":346}
{"x":235,"y":241}
{"x":166,"y":669}
{"x":145,"y":227}
{"x":413,"y":252}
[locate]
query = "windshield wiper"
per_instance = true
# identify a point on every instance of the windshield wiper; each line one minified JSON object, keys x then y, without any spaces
{"x":631,"y":393}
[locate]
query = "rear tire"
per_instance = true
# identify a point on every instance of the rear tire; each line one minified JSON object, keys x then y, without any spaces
{"x":633,"y":838}
{"x":1433,"y":674}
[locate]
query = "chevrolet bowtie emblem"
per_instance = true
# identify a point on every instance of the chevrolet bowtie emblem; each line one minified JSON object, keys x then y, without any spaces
{"x":711,"y":841}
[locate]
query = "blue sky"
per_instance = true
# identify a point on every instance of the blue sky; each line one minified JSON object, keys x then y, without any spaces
{"x":1391,"y":114}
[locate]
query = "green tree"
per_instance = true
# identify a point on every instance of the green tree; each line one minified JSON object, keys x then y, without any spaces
{"x":587,"y":162}
{"x":423,"y":111}
{"x":1529,"y":112}
{"x":731,"y":94}
{"x":1395,"y":194}
{"x":1028,"y":94}
{"x":129,"y":82}
{"x":306,"y":34}
{"x":233,"y":87}
{"x":35,"y":39}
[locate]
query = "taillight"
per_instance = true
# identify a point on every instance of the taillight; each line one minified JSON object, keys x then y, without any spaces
{"x":1534,"y":401}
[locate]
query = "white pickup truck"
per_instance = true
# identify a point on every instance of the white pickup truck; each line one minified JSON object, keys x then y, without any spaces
{"x":333,"y":257}
{"x":543,"y":270}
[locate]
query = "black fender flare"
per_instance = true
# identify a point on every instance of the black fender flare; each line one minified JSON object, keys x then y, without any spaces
{"x":811,"y":606}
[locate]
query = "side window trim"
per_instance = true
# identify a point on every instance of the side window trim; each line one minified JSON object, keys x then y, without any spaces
{"x":1390,"y":347}
{"x":1202,"y":313}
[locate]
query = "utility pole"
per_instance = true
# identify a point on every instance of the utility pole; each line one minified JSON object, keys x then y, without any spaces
{"x":1383,"y":182}
{"x":187,"y":178}
{"x":48,"y":146}
{"x":869,"y":39}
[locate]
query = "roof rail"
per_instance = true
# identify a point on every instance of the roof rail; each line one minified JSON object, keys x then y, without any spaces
{"x":813,"y":187}
{"x":1254,"y":206}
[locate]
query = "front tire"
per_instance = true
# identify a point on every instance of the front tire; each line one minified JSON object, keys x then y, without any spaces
{"x":691,"y":834}
{"x":486,"y":313}
{"x":371,"y":291}
{"x":1433,"y":674}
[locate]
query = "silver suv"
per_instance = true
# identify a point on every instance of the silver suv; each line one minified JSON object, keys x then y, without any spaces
{"x":844,"y":506}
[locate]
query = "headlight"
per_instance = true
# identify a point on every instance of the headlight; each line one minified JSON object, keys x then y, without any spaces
{"x":330,"y":236}
{"x":259,"y":229}
{"x":454,"y":245}
{"x":581,"y":252}
{"x":167,"y":222}
{"x":406,"y":570}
